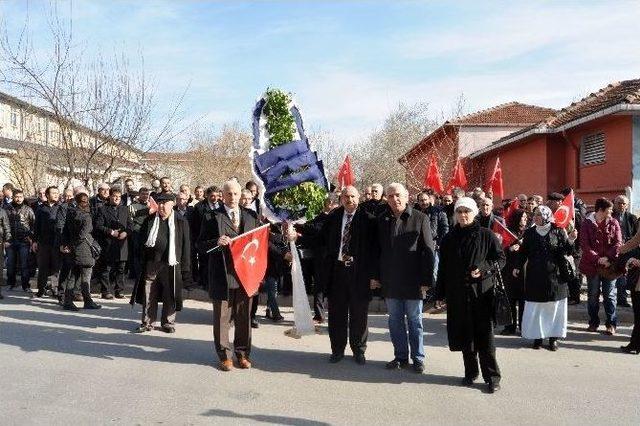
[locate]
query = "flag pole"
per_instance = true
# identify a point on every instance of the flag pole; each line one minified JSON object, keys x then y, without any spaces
{"x":240,"y":236}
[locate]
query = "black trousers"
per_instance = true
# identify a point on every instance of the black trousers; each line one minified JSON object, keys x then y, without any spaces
{"x":347,"y":313}
{"x":635,"y":334}
{"x":110,"y":276}
{"x":48,"y":258}
{"x":484,"y":345}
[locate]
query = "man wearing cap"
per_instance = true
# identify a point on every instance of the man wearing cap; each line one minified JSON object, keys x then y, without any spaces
{"x":166,"y":257}
{"x":554,"y":200}
{"x":230,"y":300}
{"x":112,"y":227}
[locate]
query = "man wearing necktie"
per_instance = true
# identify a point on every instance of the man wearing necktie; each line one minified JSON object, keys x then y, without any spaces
{"x":344,"y":242}
{"x":230,"y":300}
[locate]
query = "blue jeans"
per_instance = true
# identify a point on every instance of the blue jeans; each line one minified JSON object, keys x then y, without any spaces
{"x":270,"y":287}
{"x":17,"y":250}
{"x":398,"y":310}
{"x":436,"y":262}
{"x":609,"y":296}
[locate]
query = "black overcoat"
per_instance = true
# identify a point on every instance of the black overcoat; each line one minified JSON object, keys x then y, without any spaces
{"x":220,"y":266}
{"x":403,"y":254}
{"x":181,"y":273}
{"x":462,"y":251}
{"x":110,"y":217}
{"x":542,"y":256}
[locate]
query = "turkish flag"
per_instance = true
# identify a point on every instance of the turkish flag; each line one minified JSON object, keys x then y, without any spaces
{"x":513,"y":206}
{"x":506,"y":236}
{"x":496,"y":180}
{"x":566,"y":212}
{"x":345,"y":173}
{"x":249,"y":254}
{"x":459,"y":180}
{"x":432,"y":178}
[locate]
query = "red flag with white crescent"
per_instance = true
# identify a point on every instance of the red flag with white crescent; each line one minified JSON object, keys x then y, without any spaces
{"x":249,"y":253}
{"x":507,"y":237}
{"x":566,"y":212}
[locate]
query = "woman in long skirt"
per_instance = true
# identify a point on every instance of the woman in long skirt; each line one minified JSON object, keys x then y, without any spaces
{"x":542,"y":255}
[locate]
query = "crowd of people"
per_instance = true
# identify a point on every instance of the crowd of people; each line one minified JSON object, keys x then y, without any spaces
{"x":406,"y":250}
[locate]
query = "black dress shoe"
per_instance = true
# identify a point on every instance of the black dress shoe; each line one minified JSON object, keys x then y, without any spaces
{"x":254,"y":324}
{"x":628,"y":349}
{"x":493,"y":387}
{"x":107,"y":296}
{"x":360,"y":359}
{"x":335,"y":358}
{"x":267,"y":313}
{"x":396,"y":364}
{"x":418,"y":367}
{"x":119,"y":295}
{"x":537,"y":344}
{"x":553,"y":344}
{"x":167,"y":328}
{"x":468,"y":381}
{"x":40,"y":293}
{"x":143,"y":328}
{"x":277,"y":318}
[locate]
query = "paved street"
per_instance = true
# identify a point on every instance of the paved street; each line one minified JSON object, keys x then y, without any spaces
{"x":87,"y":368}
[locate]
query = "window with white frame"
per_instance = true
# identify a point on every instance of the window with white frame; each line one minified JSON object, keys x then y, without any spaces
{"x":592,"y":150}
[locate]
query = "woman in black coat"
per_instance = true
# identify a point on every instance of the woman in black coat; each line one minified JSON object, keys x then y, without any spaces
{"x":544,"y":249}
{"x":517,"y":224}
{"x":469,"y":256}
{"x":76,"y":241}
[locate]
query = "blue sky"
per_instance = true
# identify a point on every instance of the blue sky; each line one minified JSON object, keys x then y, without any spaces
{"x":350,"y":63}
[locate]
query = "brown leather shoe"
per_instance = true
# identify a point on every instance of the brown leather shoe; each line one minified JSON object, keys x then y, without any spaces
{"x":226,"y":365}
{"x":244,"y":363}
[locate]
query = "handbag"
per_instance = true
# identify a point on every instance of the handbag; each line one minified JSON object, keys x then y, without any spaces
{"x":566,"y":269}
{"x":94,"y":248}
{"x":501,"y":304}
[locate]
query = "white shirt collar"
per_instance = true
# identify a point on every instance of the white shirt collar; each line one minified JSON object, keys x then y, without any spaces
{"x":229,"y":210}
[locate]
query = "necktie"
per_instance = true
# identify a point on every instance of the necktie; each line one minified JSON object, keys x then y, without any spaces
{"x":346,"y":236}
{"x":235,"y":220}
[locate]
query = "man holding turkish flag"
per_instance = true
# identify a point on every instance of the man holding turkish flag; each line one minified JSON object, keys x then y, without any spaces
{"x":233,"y":272}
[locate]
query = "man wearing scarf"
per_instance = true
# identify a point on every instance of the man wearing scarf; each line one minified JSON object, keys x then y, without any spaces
{"x":166,"y":265}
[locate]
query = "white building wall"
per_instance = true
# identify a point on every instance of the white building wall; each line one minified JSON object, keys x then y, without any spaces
{"x":473,"y":138}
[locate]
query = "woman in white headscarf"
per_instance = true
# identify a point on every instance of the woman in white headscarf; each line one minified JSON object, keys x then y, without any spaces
{"x":543,"y":255}
{"x":469,"y":257}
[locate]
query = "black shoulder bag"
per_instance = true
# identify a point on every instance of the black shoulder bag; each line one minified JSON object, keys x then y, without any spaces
{"x":502,"y":307}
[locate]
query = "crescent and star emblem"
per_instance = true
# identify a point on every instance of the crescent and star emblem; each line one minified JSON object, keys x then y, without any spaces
{"x":246,"y":250}
{"x":563,"y":213}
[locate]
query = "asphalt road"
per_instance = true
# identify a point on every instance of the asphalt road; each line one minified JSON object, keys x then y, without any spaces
{"x":58,"y":367}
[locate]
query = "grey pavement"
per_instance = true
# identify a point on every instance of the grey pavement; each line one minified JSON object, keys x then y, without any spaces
{"x":64,"y":368}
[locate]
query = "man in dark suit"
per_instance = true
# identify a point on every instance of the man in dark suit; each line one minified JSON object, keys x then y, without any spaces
{"x":486,"y":217}
{"x":376,"y":205}
{"x":403,"y":266}
{"x":230,"y":300}
{"x":628,"y":227}
{"x":202,"y":211}
{"x":112,"y":226}
{"x":166,"y":251}
{"x":344,"y":242}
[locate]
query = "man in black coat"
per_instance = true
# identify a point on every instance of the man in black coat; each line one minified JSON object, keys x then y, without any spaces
{"x":5,"y":241}
{"x":46,"y":241}
{"x":486,"y":217}
{"x":112,"y":227}
{"x":344,"y":244}
{"x":376,"y":205}
{"x":166,"y":249}
{"x":628,"y":227}
{"x":403,"y":266}
{"x":230,"y":300}
{"x":201,"y":211}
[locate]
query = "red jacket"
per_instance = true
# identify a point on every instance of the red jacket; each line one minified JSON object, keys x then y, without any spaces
{"x":596,"y":243}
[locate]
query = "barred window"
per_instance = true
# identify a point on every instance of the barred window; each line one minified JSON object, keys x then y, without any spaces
{"x":592,"y":150}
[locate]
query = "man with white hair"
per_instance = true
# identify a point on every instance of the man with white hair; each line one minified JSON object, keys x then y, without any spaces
{"x":100,"y":199}
{"x":230,"y":300}
{"x":628,"y":226}
{"x":376,"y":204}
{"x":402,"y":259}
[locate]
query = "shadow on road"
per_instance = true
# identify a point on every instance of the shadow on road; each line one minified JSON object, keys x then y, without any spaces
{"x":280,"y":420}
